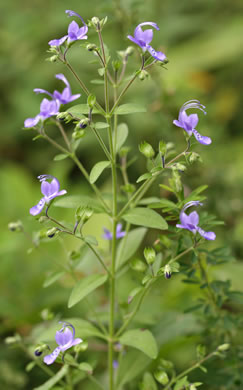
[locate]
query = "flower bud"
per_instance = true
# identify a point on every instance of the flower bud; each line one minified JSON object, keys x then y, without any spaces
{"x":83,"y":214}
{"x":150,"y":255}
{"x":16,"y":226}
{"x":129,"y":50}
{"x":128,"y":188}
{"x":82,"y":347}
{"x":143,"y":75}
{"x":116,"y":65}
{"x":65,"y":116}
{"x":95,"y":22}
{"x":52,"y":232}
{"x":223,"y":347}
{"x":43,"y":219}
{"x":193,"y":157}
{"x":167,"y":271}
{"x":52,"y":58}
{"x":77,"y":134}
{"x":162,"y":148}
{"x":161,"y":377}
{"x":91,"y":101}
{"x":83,"y":123}
{"x":13,"y":339}
{"x":138,"y":265}
{"x":91,"y":47}
{"x":146,"y":149}
{"x":40,"y":349}
{"x":123,"y":152}
{"x":46,"y":315}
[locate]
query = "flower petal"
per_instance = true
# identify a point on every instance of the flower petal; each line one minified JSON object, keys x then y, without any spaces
{"x":192,"y":120}
{"x":49,"y":359}
{"x":202,"y":139}
{"x":58,"y":42}
{"x":107,"y":234}
{"x":207,"y":235}
{"x":72,"y":13}
{"x":145,"y":37}
{"x":35,"y":210}
{"x":64,"y":338}
{"x":178,"y":123}
{"x":193,"y":218}
{"x":77,"y":341}
{"x":55,"y":185}
{"x":73,"y":28}
{"x":46,"y":188}
{"x":31,"y":122}
{"x":158,"y":55}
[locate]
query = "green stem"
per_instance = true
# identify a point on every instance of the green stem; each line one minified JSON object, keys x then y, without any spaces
{"x":84,"y":88}
{"x":101,"y":142}
{"x":98,"y":257}
{"x":136,"y":309}
{"x":86,"y":175}
{"x":188,"y":370}
{"x":66,"y":140}
{"x":181,"y":254}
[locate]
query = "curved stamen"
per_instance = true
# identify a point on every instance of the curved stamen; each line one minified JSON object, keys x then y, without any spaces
{"x":65,"y":325}
{"x":193,"y":104}
{"x":42,"y":178}
{"x":72,"y":13}
{"x":190,"y":204}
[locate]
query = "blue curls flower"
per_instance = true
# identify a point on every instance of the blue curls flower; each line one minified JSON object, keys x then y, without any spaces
{"x":143,"y":39}
{"x":190,"y":222}
{"x":189,"y":122}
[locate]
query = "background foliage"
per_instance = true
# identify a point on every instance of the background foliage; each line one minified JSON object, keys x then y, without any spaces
{"x":203,"y":42}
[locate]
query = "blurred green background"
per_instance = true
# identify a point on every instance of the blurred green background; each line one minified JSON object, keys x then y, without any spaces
{"x":203,"y":42}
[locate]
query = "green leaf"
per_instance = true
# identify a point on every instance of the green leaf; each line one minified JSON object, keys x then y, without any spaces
{"x":60,"y":157}
{"x":97,"y":82}
{"x":148,"y":382}
{"x":131,"y":367}
{"x":82,"y":109}
{"x":133,"y":293}
{"x":145,"y":217}
{"x":97,"y":170}
{"x":55,"y":379}
{"x":163,"y":203}
{"x":91,"y":240}
{"x":86,"y":367}
{"x":181,"y":383}
{"x":101,"y":125}
{"x":122,"y":133}
{"x":143,"y":177}
{"x":142,"y":340}
{"x":129,"y":108}
{"x":129,"y":245}
{"x":84,"y":287}
{"x":52,"y":278}
{"x":74,"y":201}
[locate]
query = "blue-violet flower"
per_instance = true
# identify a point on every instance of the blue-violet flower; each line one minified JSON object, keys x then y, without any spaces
{"x":75,"y":32}
{"x":189,"y":122}
{"x":65,"y":339}
{"x":119,"y":233}
{"x":49,"y":190}
{"x":143,"y":39}
{"x":48,"y":108}
{"x":190,"y":222}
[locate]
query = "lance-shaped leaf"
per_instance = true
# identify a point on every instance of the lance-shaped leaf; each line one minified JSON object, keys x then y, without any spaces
{"x":97,"y":170}
{"x":75,"y":201}
{"x":55,"y":379}
{"x":80,"y":110}
{"x":145,"y":217}
{"x":129,"y":108}
{"x":132,"y":366}
{"x":142,"y":340}
{"x":129,"y":245}
{"x":84,"y":287}
{"x":122,"y":133}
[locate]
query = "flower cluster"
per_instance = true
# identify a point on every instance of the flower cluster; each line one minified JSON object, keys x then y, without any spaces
{"x":49,"y":190}
{"x":65,"y":339}
{"x":190,"y":222}
{"x":49,"y":108}
{"x":143,"y":39}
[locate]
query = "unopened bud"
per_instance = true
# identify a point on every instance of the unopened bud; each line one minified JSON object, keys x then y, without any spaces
{"x":150,"y":255}
{"x":91,"y":101}
{"x":91,"y":47}
{"x":128,"y":188}
{"x":162,"y":148}
{"x":52,"y":232}
{"x":52,"y":58}
{"x":65,"y":116}
{"x":40,"y":349}
{"x":83,"y":214}
{"x":81,"y":347}
{"x":143,"y":75}
{"x":146,"y":149}
{"x":138,"y":265}
{"x":129,"y":50}
{"x":43,"y":219}
{"x":13,"y":339}
{"x":15,"y":226}
{"x":167,"y":271}
{"x":116,"y":65}
{"x":123,"y":152}
{"x":96,"y":23}
{"x":223,"y":347}
{"x":161,"y":377}
{"x":77,"y":134}
{"x":83,"y":123}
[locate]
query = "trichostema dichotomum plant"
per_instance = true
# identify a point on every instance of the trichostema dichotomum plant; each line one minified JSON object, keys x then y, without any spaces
{"x":181,"y":237}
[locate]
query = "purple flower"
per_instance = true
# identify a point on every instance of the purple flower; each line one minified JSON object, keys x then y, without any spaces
{"x":115,"y":364}
{"x":119,"y":233}
{"x":49,"y":190}
{"x":143,"y":39}
{"x":190,"y":222}
{"x":63,"y":97}
{"x":65,"y":340}
{"x":74,"y":31}
{"x":48,"y":108}
{"x":189,"y":122}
